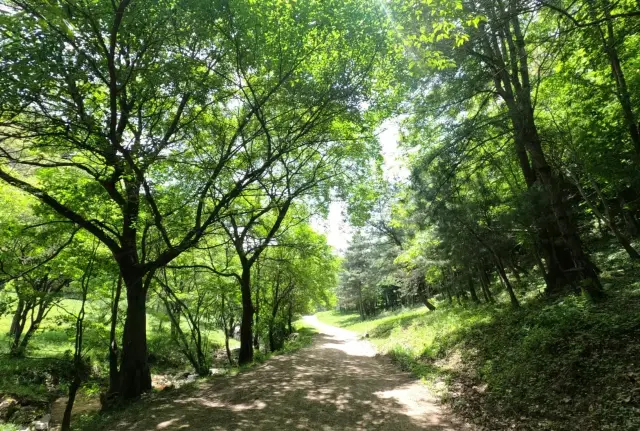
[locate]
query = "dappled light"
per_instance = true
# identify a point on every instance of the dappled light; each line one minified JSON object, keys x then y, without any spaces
{"x":335,"y":384}
{"x":451,"y":186}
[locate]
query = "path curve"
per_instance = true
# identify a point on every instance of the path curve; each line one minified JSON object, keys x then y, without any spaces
{"x":335,"y":384}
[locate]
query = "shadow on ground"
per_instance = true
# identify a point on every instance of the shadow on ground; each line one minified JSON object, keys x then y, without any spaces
{"x":331,"y":385}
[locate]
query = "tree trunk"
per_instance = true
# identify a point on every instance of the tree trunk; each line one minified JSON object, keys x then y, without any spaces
{"x":423,"y":292}
{"x":631,"y":222}
{"x":15,"y":322}
{"x":606,"y":217}
{"x":114,"y":377}
{"x":484,"y":283}
{"x":173,"y":309}
{"x":226,"y":332}
{"x":512,"y":82}
{"x":448,"y":293}
{"x":27,"y":337}
{"x":135,"y":376}
{"x":256,"y":338}
{"x":17,"y":334}
{"x":290,"y":317}
{"x":472,"y":291}
{"x":246,"y":330}
{"x":73,"y":390}
{"x":507,"y":283}
{"x":19,"y":345}
{"x":361,"y":308}
{"x":272,"y":341}
{"x":549,"y":183}
{"x":515,"y":272}
{"x":622,"y":89}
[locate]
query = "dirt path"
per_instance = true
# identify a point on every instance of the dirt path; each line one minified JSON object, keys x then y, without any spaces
{"x":337,"y":383}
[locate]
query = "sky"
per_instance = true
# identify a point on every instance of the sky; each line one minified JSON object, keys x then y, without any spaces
{"x":335,"y":226}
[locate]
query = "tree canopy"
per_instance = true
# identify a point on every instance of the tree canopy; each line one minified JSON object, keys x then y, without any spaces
{"x":164,"y":162}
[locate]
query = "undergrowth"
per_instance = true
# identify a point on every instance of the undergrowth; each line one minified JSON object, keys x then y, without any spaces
{"x":550,"y":365}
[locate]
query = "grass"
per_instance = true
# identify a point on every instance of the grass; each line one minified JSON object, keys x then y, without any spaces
{"x":43,"y":374}
{"x":563,"y":365}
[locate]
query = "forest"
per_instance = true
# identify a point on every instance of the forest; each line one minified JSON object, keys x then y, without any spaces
{"x":168,"y":169}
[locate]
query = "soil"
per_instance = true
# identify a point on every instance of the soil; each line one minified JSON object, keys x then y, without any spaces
{"x":337,"y":383}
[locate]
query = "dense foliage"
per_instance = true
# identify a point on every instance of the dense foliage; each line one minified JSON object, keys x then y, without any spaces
{"x":161,"y":162}
{"x":520,"y":130}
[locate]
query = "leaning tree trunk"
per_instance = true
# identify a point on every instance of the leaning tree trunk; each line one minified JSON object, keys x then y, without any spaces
{"x":246,"y":330}
{"x":607,"y":217}
{"x":135,"y":375}
{"x":73,"y":390}
{"x":17,"y":316}
{"x":19,"y":328}
{"x":507,"y":284}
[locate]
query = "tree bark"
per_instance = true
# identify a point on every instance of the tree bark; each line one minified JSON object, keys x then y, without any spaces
{"x":114,"y":353}
{"x":290,"y":317}
{"x":73,"y":390}
{"x":135,"y":375}
{"x":246,"y":330}
{"x":507,"y":284}
{"x":505,"y":44}
{"x":225,"y":328}
{"x":472,"y":290}
{"x":256,"y":338}
{"x":484,"y":282}
{"x":15,"y":322}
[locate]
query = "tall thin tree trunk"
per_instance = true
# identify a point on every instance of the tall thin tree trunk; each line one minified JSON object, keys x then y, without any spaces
{"x":484,"y":283}
{"x":507,"y":283}
{"x":73,"y":390}
{"x":622,"y":90}
{"x":114,"y":377}
{"x":256,"y":338}
{"x":225,"y":328}
{"x":290,"y":316}
{"x":246,"y":330}
{"x":362,"y":315}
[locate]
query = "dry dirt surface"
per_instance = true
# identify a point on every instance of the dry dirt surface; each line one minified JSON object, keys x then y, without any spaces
{"x":337,"y":383}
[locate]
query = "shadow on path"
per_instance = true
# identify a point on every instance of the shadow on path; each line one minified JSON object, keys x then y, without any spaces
{"x":334,"y":384}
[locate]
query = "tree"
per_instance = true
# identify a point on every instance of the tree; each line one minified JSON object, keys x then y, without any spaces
{"x":483,"y":50}
{"x":150,"y":118}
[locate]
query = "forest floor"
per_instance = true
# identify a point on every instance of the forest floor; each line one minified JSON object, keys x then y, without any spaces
{"x":336,"y":383}
{"x":554,"y":364}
